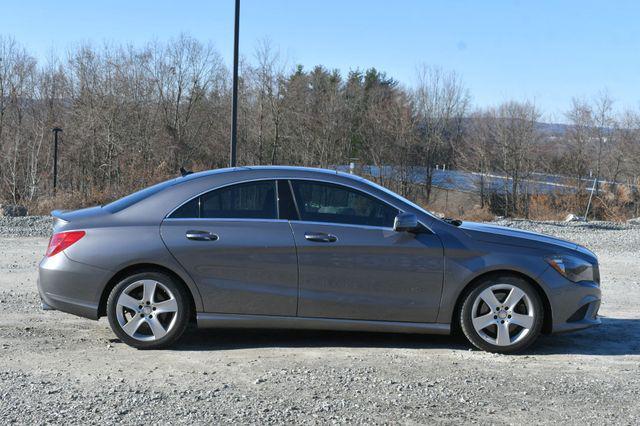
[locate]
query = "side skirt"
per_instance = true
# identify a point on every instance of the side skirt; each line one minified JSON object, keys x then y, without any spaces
{"x":207,"y":320}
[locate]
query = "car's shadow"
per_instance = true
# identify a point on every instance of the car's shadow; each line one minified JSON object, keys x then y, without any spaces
{"x":218,"y":339}
{"x":614,"y":337}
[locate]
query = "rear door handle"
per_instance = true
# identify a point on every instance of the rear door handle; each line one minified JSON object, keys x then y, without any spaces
{"x":201,"y":236}
{"x":320,"y":237}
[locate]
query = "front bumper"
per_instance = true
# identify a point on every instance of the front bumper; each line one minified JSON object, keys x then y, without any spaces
{"x":574,"y":306}
{"x":70,"y":286}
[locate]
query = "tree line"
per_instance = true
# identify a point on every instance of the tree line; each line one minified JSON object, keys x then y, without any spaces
{"x":134,"y":115}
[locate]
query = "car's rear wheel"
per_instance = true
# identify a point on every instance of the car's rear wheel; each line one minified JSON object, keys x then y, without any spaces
{"x":148,"y":310}
{"x":502,"y":314}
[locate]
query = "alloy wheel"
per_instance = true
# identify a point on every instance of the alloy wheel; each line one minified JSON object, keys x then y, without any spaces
{"x":146,"y":310}
{"x":503,"y":314}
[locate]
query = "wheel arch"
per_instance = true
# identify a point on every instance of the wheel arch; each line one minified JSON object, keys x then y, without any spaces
{"x":547,"y":324}
{"x":138,"y":268}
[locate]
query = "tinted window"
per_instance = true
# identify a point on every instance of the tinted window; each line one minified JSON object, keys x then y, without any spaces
{"x":188,"y":210}
{"x":247,"y":200}
{"x":287,"y":205}
{"x":323,"y":202}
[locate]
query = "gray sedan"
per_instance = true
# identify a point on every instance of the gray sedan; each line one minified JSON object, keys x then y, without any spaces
{"x":287,"y":247}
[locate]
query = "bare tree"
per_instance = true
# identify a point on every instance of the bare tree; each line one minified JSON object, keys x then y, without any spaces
{"x":269,"y":80}
{"x":441,"y":102}
{"x":603,"y":125}
{"x":184,"y":72}
{"x":579,"y":139}
{"x":516,"y":138}
{"x":477,"y":153}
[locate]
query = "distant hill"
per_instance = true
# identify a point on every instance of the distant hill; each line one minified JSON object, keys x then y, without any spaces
{"x":546,"y":129}
{"x":552,"y":129}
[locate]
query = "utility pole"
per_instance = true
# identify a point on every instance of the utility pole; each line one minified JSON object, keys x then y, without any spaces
{"x":234,"y":100}
{"x":55,"y":131}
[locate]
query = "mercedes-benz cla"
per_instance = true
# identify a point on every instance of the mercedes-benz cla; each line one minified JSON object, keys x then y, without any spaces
{"x":286,"y":247}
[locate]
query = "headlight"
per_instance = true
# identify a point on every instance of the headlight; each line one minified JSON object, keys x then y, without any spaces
{"x":573,"y":268}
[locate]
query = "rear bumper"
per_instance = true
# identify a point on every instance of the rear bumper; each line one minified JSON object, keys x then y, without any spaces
{"x":574,"y":306}
{"x":71,"y":287}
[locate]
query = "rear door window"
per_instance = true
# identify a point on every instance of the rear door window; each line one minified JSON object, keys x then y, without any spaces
{"x":252,"y":200}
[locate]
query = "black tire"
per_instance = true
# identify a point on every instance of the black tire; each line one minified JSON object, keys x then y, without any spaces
{"x":474,"y":337}
{"x":179,"y":324}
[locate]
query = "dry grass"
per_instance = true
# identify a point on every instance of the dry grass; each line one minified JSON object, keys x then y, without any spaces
{"x":478,"y":214}
{"x":68,"y":201}
{"x":551,"y":206}
{"x":613,"y":203}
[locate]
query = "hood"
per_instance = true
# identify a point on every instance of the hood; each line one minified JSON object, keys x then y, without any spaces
{"x":504,"y":235}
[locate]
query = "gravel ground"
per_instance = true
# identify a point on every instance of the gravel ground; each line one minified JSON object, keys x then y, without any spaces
{"x":27,"y":226}
{"x":57,"y":368}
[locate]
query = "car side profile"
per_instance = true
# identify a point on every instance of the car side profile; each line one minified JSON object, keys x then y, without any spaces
{"x":290,"y":247}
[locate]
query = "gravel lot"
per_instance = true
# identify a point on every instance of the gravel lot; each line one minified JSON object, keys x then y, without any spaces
{"x":56,"y":368}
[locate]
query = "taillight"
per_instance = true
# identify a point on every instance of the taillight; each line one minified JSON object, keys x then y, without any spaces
{"x":62,"y":240}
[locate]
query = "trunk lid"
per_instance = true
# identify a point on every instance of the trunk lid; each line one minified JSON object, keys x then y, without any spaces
{"x":61,"y":218}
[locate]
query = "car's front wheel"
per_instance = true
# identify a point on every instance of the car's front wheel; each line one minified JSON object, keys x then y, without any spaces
{"x":148,"y":310}
{"x":502,"y":314}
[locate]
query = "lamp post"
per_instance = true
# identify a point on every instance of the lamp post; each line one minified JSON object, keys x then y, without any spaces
{"x":234,"y":99}
{"x":55,"y":131}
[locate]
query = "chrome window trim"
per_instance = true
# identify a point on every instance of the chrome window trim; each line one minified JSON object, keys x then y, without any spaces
{"x":349,"y":225}
{"x":310,"y":222}
{"x":288,"y":178}
{"x":224,"y":219}
{"x":353,"y":225}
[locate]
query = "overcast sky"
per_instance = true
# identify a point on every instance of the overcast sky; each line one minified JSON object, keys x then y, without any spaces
{"x":544,"y":51}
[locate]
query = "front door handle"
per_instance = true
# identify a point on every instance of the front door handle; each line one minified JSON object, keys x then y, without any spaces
{"x":201,"y":236}
{"x":320,"y":237}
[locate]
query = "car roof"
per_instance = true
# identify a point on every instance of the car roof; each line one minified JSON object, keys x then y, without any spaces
{"x":283,"y":168}
{"x":310,"y":170}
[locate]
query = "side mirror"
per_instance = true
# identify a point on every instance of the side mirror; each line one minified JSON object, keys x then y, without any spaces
{"x":405,"y":222}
